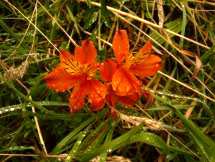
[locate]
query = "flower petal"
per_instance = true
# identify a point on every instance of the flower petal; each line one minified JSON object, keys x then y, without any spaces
{"x":66,"y":56}
{"x":86,"y":54}
{"x":69,"y":63}
{"x":143,"y":52}
{"x":147,"y":67}
{"x":107,"y":69}
{"x":124,"y":83}
{"x":97,"y":93}
{"x":120,"y":45}
{"x":60,"y":80}
{"x":76,"y":100}
{"x":147,"y":48}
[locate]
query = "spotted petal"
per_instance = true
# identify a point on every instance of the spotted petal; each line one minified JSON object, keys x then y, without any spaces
{"x":147,"y":66}
{"x":69,"y":63}
{"x":66,"y":56}
{"x":76,"y":100}
{"x":97,"y":93}
{"x":120,"y":45}
{"x":124,"y":83}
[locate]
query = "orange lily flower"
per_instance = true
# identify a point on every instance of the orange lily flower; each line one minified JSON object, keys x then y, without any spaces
{"x":108,"y":69}
{"x":121,"y":74}
{"x":143,"y":64}
{"x":78,"y":72}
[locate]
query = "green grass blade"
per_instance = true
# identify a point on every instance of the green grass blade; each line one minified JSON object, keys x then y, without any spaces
{"x":76,"y":146}
{"x":206,"y":145}
{"x":183,"y":25}
{"x":103,"y":156}
{"x":16,"y":148}
{"x":68,"y":138}
{"x":132,"y":136}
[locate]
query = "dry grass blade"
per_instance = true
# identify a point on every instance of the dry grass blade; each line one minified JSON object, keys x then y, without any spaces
{"x":198,"y":62}
{"x":188,"y":87}
{"x":99,"y":38}
{"x":60,"y":156}
{"x":39,"y":130}
{"x":15,"y":8}
{"x":14,"y":73}
{"x":114,"y":10}
{"x":198,"y":66}
{"x":132,"y":121}
{"x":70,"y":38}
{"x":190,"y":109}
{"x":112,"y":159}
{"x":160,"y":12}
{"x":173,"y":95}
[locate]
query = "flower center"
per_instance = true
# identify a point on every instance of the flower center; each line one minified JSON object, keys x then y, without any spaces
{"x":75,"y":68}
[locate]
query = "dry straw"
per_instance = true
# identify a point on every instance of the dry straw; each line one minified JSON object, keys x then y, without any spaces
{"x":112,"y":159}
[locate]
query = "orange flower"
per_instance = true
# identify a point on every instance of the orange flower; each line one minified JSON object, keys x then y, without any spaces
{"x":121,"y":74}
{"x":78,"y":72}
{"x":108,"y":69}
{"x":143,"y":64}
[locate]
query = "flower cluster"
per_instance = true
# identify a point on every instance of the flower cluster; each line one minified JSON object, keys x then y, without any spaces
{"x":120,"y":77}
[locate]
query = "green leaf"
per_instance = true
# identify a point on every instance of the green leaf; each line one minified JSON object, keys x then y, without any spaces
{"x":105,"y":14}
{"x":208,"y":56}
{"x":90,"y":18}
{"x":174,"y":26}
{"x":150,"y":139}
